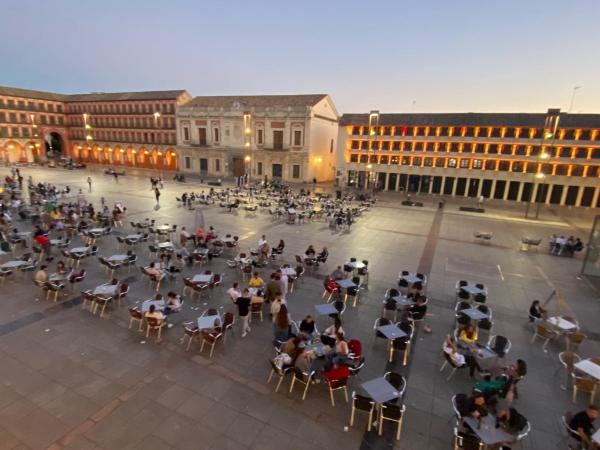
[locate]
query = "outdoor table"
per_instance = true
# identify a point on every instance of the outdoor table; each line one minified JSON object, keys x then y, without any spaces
{"x":57,"y":277}
{"x":325,"y":309}
{"x":588,"y":367}
{"x":225,"y":239}
{"x":158,"y":304}
{"x":201,"y":251}
{"x":345,"y":284}
{"x":244,"y":261}
{"x":106,"y":289}
{"x":79,"y":250}
{"x":133,"y":237}
{"x":206,"y":322}
{"x":165,"y":245}
{"x":13,"y":264}
{"x":202,"y":278}
{"x":562,"y":324}
{"x":380,"y":390}
{"x":291,"y":211}
{"x":487,"y":431}
{"x":472,"y":289}
{"x":97,"y":230}
{"x":357,"y":265}
{"x":289,"y":271}
{"x":117,"y":258}
{"x":402,"y":301}
{"x":484,"y":353}
{"x":411,"y":278}
{"x":163,"y":228}
{"x":474,"y":313}
{"x":318,"y":348}
{"x":56,"y":241}
{"x":391,"y":332}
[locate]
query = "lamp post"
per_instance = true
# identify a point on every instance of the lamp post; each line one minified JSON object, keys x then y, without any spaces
{"x":575,"y":89}
{"x":548,"y":132}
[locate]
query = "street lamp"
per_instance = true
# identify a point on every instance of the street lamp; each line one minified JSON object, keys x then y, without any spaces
{"x":549,"y":132}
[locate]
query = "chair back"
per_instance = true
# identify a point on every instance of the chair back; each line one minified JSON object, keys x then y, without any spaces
{"x":256,"y":307}
{"x":228,"y":319}
{"x":355,"y":347}
{"x":153,"y":322}
{"x":392,"y":412}
{"x":362,"y":402}
{"x":133,"y":312}
{"x":462,"y":294}
{"x":499,"y":345}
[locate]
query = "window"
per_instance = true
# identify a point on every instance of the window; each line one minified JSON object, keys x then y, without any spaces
{"x":259,"y":137}
{"x":428,"y":162}
{"x":503,"y":165}
{"x":188,"y":162}
{"x":373,"y":159}
{"x":384,"y":159}
{"x":331,"y":146}
{"x":296,"y":171}
{"x":451,"y":162}
{"x":216,"y":136}
{"x":464,"y":163}
{"x":186,"y":134}
{"x":259,"y":169}
{"x":217,"y":162}
{"x":416,"y":161}
{"x":202,"y":136}
{"x":278,"y":139}
{"x":353,"y":158}
{"x":477,"y":164}
{"x":297,"y":138}
{"x":25,"y":132}
{"x":364,"y":159}
{"x":15,"y":132}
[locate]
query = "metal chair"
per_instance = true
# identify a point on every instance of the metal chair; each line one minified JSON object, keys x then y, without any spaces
{"x":302,"y":378}
{"x":391,"y":413}
{"x":544,"y":331}
{"x":583,"y":384}
{"x":364,"y":404}
{"x":281,"y":372}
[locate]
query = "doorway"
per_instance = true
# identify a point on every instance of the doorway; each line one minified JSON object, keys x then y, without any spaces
{"x":238,"y":167}
{"x":54,"y":145}
{"x":277,"y":170}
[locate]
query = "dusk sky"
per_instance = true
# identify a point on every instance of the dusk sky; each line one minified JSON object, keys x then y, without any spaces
{"x":394,"y":56}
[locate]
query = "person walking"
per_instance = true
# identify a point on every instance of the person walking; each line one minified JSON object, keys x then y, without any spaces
{"x":243,"y":304}
{"x":157,"y":195}
{"x":116,"y":175}
{"x":89,"y":182}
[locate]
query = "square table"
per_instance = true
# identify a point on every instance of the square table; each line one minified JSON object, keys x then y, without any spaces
{"x":357,"y":265}
{"x":165,"y":245}
{"x":97,"y":230}
{"x":319,"y":349}
{"x":403,"y":301}
{"x":206,"y":322}
{"x":325,"y":309}
{"x":106,"y":289}
{"x":117,"y":258}
{"x":391,"y":331}
{"x":487,"y":432}
{"x":57,"y":277}
{"x":484,"y":353}
{"x":56,"y":241}
{"x":411,"y":278}
{"x":225,"y":239}
{"x":202,"y":278}
{"x":588,"y":367}
{"x":380,"y":390}
{"x":472,"y":289}
{"x":562,"y":324}
{"x":158,"y":304}
{"x":163,"y":228}
{"x":201,"y":251}
{"x":474,"y":313}
{"x":133,"y":237}
{"x":79,"y":250}
{"x":13,"y":264}
{"x":345,"y":284}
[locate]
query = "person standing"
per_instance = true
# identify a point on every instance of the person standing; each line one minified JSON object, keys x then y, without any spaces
{"x":89,"y":182}
{"x":116,"y":175}
{"x":243,"y":304}
{"x":157,"y":195}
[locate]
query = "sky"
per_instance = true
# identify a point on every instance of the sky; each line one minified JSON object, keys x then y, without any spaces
{"x":389,"y":55}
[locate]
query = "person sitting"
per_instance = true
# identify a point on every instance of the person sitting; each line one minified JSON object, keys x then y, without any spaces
{"x":310,"y":252}
{"x":256,"y":281}
{"x":511,"y":420}
{"x":583,"y":423}
{"x":338,"y":274}
{"x":291,"y":346}
{"x":329,"y":335}
{"x":323,"y":255}
{"x":61,"y":268}
{"x":536,"y":312}
{"x":16,"y":238}
{"x":154,"y":313}
{"x":337,"y":372}
{"x":184,"y":236}
{"x":280,"y":247}
{"x":458,"y":359}
{"x":154,"y":272}
{"x":305,"y":361}
{"x":307,"y":326}
{"x":174,"y":303}
{"x":41,"y":276}
{"x":468,"y":335}
{"x":476,"y":406}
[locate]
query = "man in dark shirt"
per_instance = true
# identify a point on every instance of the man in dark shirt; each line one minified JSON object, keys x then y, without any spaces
{"x":243,"y":304}
{"x":582,"y":422}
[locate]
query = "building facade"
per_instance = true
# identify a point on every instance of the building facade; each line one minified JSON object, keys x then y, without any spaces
{"x":286,"y":137}
{"x":135,"y":129}
{"x":551,"y":158}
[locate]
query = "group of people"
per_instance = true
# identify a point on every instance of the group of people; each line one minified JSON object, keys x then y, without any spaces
{"x":561,"y":246}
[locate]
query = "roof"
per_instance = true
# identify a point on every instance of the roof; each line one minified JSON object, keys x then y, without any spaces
{"x":260,"y":101}
{"x":124,"y":96}
{"x":28,"y":93}
{"x":474,"y":119}
{"x":92,"y":97}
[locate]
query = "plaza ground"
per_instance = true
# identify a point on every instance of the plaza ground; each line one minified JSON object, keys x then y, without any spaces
{"x":72,"y":380}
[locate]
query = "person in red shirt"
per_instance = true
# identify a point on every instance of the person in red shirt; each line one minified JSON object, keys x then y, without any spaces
{"x":44,"y":243}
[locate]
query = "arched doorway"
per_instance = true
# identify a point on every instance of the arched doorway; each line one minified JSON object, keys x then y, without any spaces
{"x":54,"y":145}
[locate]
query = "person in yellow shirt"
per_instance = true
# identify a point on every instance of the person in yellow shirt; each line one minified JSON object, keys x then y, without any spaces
{"x":256,"y":281}
{"x":468,"y":335}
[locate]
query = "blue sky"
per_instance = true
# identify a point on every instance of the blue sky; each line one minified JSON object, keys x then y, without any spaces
{"x":395,"y":56}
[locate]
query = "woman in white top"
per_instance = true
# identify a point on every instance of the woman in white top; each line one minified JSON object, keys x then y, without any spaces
{"x":460,"y":360}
